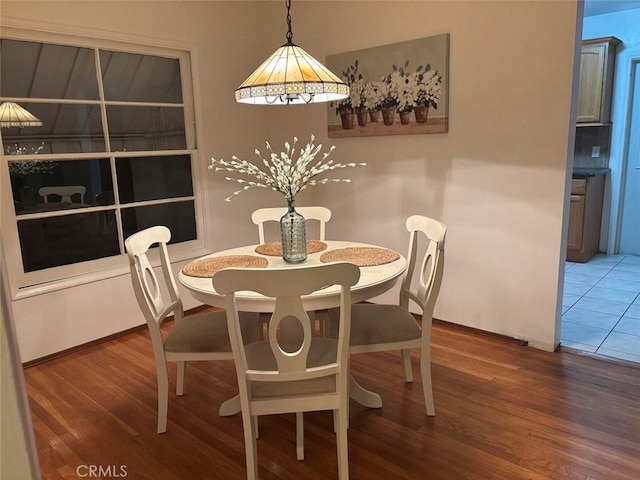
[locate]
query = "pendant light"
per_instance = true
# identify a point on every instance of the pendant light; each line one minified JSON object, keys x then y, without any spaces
{"x":13,"y":115}
{"x":291,"y":76}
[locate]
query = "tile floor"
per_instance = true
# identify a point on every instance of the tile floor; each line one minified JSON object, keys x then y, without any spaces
{"x":601,"y":306}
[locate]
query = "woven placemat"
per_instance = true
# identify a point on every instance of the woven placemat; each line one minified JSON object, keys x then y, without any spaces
{"x":360,"y":256}
{"x":207,"y":267}
{"x":274,"y":249}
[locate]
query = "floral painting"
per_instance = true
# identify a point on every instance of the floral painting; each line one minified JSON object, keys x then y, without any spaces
{"x":395,"y":89}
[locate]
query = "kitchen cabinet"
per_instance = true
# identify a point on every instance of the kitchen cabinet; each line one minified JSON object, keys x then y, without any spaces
{"x":585,"y":217}
{"x":597,"y":62}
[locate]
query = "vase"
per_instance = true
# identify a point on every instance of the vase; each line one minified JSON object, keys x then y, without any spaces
{"x":388,"y":114}
{"x":421,"y":112}
{"x":293,"y":235}
{"x":404,"y":117}
{"x":347,"y":120}
{"x":374,"y":115}
{"x":362,"y":118}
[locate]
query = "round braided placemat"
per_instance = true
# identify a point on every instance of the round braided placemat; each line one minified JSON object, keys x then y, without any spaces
{"x":274,"y":249}
{"x":207,"y":267}
{"x":360,"y":256}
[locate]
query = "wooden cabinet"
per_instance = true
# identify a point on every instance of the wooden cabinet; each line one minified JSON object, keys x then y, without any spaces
{"x":585,"y":216}
{"x":597,"y":62}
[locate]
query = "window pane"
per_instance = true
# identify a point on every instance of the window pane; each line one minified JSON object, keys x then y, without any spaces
{"x":39,"y":70}
{"x":154,"y":178}
{"x":43,"y":186}
{"x":146,"y":128}
{"x":129,"y":77}
{"x":56,"y":241}
{"x":179,"y":217}
{"x":65,"y":129}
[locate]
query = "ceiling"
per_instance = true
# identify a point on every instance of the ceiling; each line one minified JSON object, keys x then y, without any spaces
{"x":599,"y":7}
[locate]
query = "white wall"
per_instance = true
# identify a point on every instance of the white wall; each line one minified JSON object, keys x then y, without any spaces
{"x":497,"y":178}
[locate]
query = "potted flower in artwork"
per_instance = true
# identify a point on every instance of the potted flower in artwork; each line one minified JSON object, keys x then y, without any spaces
{"x":288,"y":175}
{"x":358,"y":100}
{"x":428,"y":92}
{"x":390,"y":93}
{"x":345,"y":108}
{"x":374,"y":96}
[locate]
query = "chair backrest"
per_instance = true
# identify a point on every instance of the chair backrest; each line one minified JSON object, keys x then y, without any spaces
{"x":155,"y":307}
{"x":273,"y":214}
{"x":64,"y":192}
{"x":287,"y":286}
{"x":424,"y":290}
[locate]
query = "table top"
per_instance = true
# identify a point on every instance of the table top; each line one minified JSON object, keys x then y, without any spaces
{"x":374,"y":280}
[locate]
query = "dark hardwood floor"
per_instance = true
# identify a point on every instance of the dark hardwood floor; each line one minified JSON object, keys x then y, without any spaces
{"x":503,"y":411}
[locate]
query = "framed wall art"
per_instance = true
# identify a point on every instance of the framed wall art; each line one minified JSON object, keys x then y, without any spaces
{"x":395,"y":89}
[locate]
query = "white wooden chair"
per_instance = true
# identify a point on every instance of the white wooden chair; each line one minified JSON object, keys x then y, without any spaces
{"x":377,"y":328}
{"x":312,"y":213}
{"x":202,"y":336}
{"x":64,"y":192}
{"x":273,"y":214}
{"x":277,"y":376}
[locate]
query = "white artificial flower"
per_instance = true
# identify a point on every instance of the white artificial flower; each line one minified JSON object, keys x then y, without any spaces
{"x":281,"y":173}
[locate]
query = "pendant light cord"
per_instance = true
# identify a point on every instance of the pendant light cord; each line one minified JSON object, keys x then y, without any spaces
{"x":289,"y":34}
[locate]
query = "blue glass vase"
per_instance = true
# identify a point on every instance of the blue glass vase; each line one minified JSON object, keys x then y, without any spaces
{"x":293,"y":235}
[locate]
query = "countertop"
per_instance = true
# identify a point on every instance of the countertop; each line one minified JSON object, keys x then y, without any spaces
{"x":582,"y":172}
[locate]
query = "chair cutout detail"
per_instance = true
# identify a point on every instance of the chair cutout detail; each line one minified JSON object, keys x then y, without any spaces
{"x":203,"y":336}
{"x":64,"y":192}
{"x":277,"y":376}
{"x":273,"y":214}
{"x":378,"y":328}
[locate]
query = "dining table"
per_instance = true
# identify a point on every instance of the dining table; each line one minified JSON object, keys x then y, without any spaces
{"x":380,"y":269}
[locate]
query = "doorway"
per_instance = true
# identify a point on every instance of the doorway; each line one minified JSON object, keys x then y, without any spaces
{"x":629,"y":232}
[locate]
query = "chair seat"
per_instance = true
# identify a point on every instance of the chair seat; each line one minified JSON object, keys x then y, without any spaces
{"x":373,"y":324}
{"x":207,"y":332}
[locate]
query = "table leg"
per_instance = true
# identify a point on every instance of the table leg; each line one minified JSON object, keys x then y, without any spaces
{"x":363,"y":396}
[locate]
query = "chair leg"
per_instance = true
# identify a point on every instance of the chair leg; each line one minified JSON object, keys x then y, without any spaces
{"x":425,"y":371}
{"x":341,"y":417}
{"x":300,"y":435}
{"x":406,"y":361}
{"x":180,"y":378}
{"x":255,"y":426}
{"x":250,"y":445}
{"x":163,"y":396}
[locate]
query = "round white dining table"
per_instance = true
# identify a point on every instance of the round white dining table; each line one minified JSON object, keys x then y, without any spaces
{"x":374,"y":280}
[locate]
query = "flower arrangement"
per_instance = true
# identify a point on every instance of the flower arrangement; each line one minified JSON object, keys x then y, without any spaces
{"x":429,"y":88}
{"x":23,"y":169}
{"x":281,"y":173}
{"x":390,"y":92}
{"x":374,"y":95}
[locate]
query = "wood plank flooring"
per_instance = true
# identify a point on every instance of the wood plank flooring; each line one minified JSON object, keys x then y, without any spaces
{"x":503,"y":412}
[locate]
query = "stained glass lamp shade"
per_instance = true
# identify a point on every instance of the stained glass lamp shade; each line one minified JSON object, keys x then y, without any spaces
{"x":291,"y":76}
{"x":13,"y":115}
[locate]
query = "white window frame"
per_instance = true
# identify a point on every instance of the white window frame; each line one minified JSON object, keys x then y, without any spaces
{"x":23,"y":284}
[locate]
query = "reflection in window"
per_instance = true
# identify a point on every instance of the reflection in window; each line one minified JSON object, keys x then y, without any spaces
{"x":131,"y":77}
{"x":45,"y":70}
{"x":44,"y":186}
{"x":153,"y":178}
{"x":179,"y":217}
{"x":66,"y":128}
{"x":55,"y":241}
{"x":145,"y":128}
